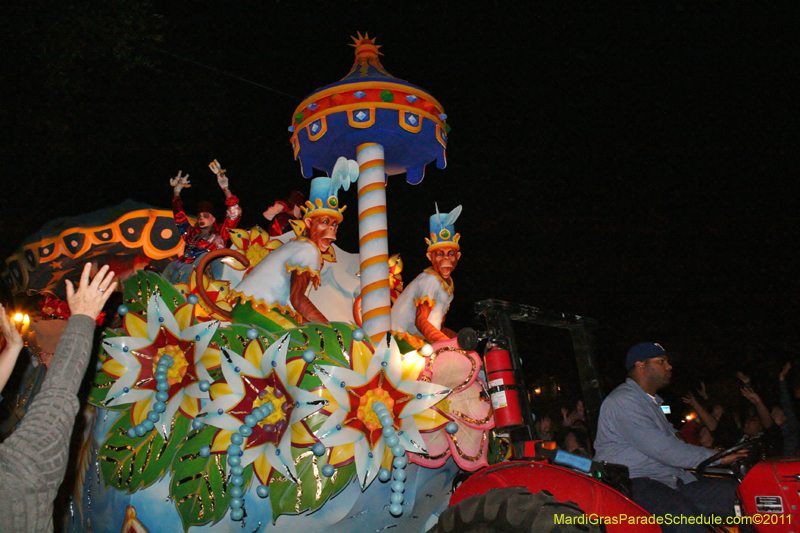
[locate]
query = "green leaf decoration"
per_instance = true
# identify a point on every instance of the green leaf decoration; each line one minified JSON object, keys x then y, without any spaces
{"x":101,"y":381}
{"x":199,"y":485}
{"x":234,"y":337}
{"x":131,"y":464}
{"x":138,"y":289}
{"x":243,"y":313}
{"x":312,"y":489}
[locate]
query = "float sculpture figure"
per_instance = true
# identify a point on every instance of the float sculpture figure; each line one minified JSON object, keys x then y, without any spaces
{"x":284,"y":275}
{"x":420,"y":309}
{"x":390,"y":127}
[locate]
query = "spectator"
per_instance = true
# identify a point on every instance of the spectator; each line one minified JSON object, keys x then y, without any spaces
{"x":691,"y":429}
{"x":544,"y":428}
{"x":576,"y":441}
{"x":34,"y":458}
{"x":784,"y":416}
{"x":758,"y":422}
{"x":575,"y":418}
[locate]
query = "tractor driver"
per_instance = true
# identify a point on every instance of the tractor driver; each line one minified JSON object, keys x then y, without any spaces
{"x":634,"y":431}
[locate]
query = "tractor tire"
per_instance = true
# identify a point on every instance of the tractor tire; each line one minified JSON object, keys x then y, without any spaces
{"x":511,"y":510}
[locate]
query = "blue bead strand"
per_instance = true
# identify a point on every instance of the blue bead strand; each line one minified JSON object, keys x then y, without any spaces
{"x":400,"y":460}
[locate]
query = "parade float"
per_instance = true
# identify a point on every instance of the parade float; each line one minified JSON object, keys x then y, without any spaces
{"x":275,"y":394}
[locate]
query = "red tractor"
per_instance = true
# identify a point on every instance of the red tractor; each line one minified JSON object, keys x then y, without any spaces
{"x":544,"y":489}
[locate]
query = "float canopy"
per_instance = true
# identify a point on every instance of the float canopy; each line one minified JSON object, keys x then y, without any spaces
{"x":369,"y":105}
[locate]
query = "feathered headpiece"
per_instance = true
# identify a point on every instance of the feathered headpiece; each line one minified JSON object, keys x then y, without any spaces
{"x":442,"y":231}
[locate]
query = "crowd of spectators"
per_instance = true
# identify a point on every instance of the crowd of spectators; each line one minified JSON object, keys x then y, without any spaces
{"x":729,"y":411}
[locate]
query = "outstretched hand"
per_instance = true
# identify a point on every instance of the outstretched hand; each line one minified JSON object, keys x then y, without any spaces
{"x":690,"y":399}
{"x":10,"y":332}
{"x":179,"y":182}
{"x":751,"y":396}
{"x":217,"y":169}
{"x":785,"y":371}
{"x":90,"y":296}
{"x":728,"y":459}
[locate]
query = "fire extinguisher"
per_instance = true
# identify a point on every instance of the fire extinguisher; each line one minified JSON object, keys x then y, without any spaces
{"x":503,"y":389}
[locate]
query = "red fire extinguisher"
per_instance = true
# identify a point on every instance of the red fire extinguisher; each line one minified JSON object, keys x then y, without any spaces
{"x":503,"y":389}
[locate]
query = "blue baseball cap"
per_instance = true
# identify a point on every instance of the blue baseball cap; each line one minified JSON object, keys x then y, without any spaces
{"x":645,"y":350}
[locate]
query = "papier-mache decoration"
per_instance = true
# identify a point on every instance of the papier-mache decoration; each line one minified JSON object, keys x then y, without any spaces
{"x":231,"y":415}
{"x":466,"y":407}
{"x":442,"y":230}
{"x":369,"y":105}
{"x":324,"y":195}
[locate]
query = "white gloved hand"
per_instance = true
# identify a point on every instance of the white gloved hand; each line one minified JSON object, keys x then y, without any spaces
{"x":179,"y":182}
{"x":217,"y":169}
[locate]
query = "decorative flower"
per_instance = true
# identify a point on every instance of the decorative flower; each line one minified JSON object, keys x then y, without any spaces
{"x":255,"y":244}
{"x":216,"y":289}
{"x":353,"y":421}
{"x":134,"y":358}
{"x":472,"y":412}
{"x":251,"y":381}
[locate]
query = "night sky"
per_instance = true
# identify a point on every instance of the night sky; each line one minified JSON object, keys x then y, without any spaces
{"x":635,"y":165}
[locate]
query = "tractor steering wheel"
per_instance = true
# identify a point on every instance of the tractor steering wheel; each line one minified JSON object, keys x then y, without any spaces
{"x":750,"y":443}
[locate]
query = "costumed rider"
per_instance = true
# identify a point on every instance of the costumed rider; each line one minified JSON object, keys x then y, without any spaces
{"x":279,"y":282}
{"x":420,"y":309}
{"x":206,"y":234}
{"x":282,"y":212}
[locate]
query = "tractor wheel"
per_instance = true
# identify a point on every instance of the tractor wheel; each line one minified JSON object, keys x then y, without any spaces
{"x":512,"y":509}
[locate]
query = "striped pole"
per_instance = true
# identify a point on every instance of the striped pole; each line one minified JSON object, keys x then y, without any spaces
{"x":373,"y":245}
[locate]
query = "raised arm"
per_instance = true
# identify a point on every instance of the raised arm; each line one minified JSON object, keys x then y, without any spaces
{"x":234,"y":212}
{"x":33,"y":459}
{"x":707,"y":418}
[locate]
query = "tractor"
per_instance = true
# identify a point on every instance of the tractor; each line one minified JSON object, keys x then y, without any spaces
{"x":543,"y":488}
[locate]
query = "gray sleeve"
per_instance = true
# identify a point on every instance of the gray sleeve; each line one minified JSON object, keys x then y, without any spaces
{"x":643,"y":433}
{"x":33,"y":459}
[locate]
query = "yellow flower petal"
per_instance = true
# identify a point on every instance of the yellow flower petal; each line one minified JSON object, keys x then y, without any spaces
{"x":253,"y":353}
{"x":262,"y":468}
{"x":184,"y":316}
{"x":429,"y":419}
{"x":341,"y":454}
{"x":113,"y":368}
{"x":221,"y":441}
{"x":361,"y":356}
{"x":220,"y":389}
{"x":294,"y":371}
{"x":135,"y":326}
{"x":413,"y":365}
{"x":210,"y":358}
{"x":301,"y":436}
{"x":140,"y":410}
{"x":190,"y":406}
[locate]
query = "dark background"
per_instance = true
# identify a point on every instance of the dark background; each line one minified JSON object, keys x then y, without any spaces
{"x":636,"y":164}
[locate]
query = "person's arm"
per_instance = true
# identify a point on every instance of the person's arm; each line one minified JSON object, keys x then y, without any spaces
{"x":791,"y":429}
{"x":234,"y":212}
{"x":34,"y":457}
{"x":761,"y":409}
{"x":178,"y":183}
{"x":704,"y":415}
{"x":14,"y":344}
